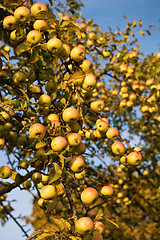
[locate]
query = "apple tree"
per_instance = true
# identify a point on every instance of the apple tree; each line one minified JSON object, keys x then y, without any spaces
{"x":79,"y":124}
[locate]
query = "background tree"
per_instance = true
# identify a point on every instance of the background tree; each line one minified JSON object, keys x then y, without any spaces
{"x":72,"y":99}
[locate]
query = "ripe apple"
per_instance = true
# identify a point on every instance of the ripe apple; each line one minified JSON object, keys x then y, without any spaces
{"x":134,"y":158}
{"x":106,"y":190}
{"x":48,"y":192}
{"x":5,"y":172}
{"x":102,"y":125}
{"x":34,"y":37}
{"x":86,"y":66}
{"x":59,"y":144}
{"x":112,"y":133}
{"x":78,"y":54}
{"x":37,"y":8}
{"x":97,"y":105}
{"x":123,"y":160}
{"x":99,"y":226}
{"x":70,"y":114}
{"x":150,"y":81}
{"x":118,"y":148}
{"x":44,"y":100}
{"x":2,"y":143}
{"x":52,"y":117}
{"x":89,"y":81}
{"x":39,"y":23}
{"x":77,"y":164}
{"x":37,"y":131}
{"x":36,"y":177}
{"x":120,"y":195}
{"x":9,"y":22}
{"x":91,"y":35}
{"x":19,"y":77}
{"x":54,"y":45}
{"x":89,"y":195}
{"x":133,"y":54}
{"x":22,"y":14}
{"x":123,"y":67}
{"x":83,"y":225}
{"x":74,"y":139}
{"x":80,"y":175}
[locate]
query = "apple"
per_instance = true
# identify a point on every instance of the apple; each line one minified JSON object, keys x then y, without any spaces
{"x":83,"y":225}
{"x":52,"y":117}
{"x":77,"y":78}
{"x":37,"y":8}
{"x":123,"y":160}
{"x":9,"y":22}
{"x":102,"y":126}
{"x":34,"y":89}
{"x":133,"y":54}
{"x":79,"y":149}
{"x":19,"y":77}
{"x":106,"y":190}
{"x":92,"y":35}
{"x":89,"y":82}
{"x":82,"y":26}
{"x":22,"y":14}
{"x":90,"y":43}
{"x":80,"y":175}
{"x":48,"y":192}
{"x":129,"y":103}
{"x":44,"y":100}
{"x":5,"y":172}
{"x":144,"y":108}
{"x":132,"y":96}
{"x":41,"y":203}
{"x":40,"y":154}
{"x":89,"y":195}
{"x":27,"y":184}
{"x":78,"y":54}
{"x":118,"y":148}
{"x":123,"y":103}
{"x":39,"y":23}
{"x":36,"y":177}
{"x":24,"y":163}
{"x":59,"y":144}
{"x":37,"y":131}
{"x":2,"y":143}
{"x":99,"y":226}
{"x":74,"y":139}
{"x":150,"y":81}
{"x":123,"y":67}
{"x":86,"y":66}
{"x":73,"y":127}
{"x":54,"y":45}
{"x":134,"y":158}
{"x":34,"y":37}
{"x":106,"y":53}
{"x":65,"y":52}
{"x":45,"y":179}
{"x":70,"y":114}
{"x":112,"y":133}
{"x":77,"y":164}
{"x":120,"y":195}
{"x":97,"y":105}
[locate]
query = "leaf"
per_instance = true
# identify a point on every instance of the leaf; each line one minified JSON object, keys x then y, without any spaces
{"x":61,"y":223}
{"x":99,"y":215}
{"x":55,"y":173}
{"x":5,"y":54}
{"x":50,"y":228}
{"x":62,"y":160}
{"x":22,"y":47}
{"x":115,"y":224}
{"x":25,"y":94}
{"x":40,"y":145}
{"x":142,"y":33}
{"x":43,"y":236}
{"x":49,"y":152}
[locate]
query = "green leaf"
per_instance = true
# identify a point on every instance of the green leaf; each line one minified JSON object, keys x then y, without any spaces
{"x":115,"y":224}
{"x":40,"y":145}
{"x":43,"y":236}
{"x":22,"y":47}
{"x":49,"y":152}
{"x":99,"y":215}
{"x":25,"y":94}
{"x":55,"y":173}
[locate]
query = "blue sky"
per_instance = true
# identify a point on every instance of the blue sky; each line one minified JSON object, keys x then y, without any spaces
{"x":105,"y":13}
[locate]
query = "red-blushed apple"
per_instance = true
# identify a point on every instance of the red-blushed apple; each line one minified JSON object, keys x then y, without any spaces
{"x":22,"y":14}
{"x":39,"y":23}
{"x":80,"y":175}
{"x":34,"y":37}
{"x":133,"y":54}
{"x":9,"y":22}
{"x":78,"y":54}
{"x":48,"y":192}
{"x":92,"y":35}
{"x":44,"y":100}
{"x":97,"y":236}
{"x":52,"y":117}
{"x":77,"y":164}
{"x":86,"y":66}
{"x":129,"y":103}
{"x":150,"y":81}
{"x":112,"y":133}
{"x":2,"y":143}
{"x":36,"y":177}
{"x":123,"y":67}
{"x":74,"y":139}
{"x":59,"y":144}
{"x":97,"y":105}
{"x":37,"y":131}
{"x":70,"y":114}
{"x":134,"y":158}
{"x":55,"y":124}
{"x":5,"y":172}
{"x":99,"y":226}
{"x":54,"y":45}
{"x":123,"y":103}
{"x":83,"y":225}
{"x":106,"y":190}
{"x":19,"y":77}
{"x":118,"y":148}
{"x":37,"y":8}
{"x":89,"y":82}
{"x":89,"y":195}
{"x":82,"y":26}
{"x":102,"y":125}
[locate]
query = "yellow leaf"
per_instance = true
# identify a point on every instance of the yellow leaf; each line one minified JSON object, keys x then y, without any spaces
{"x":43,"y":236}
{"x":115,"y":224}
